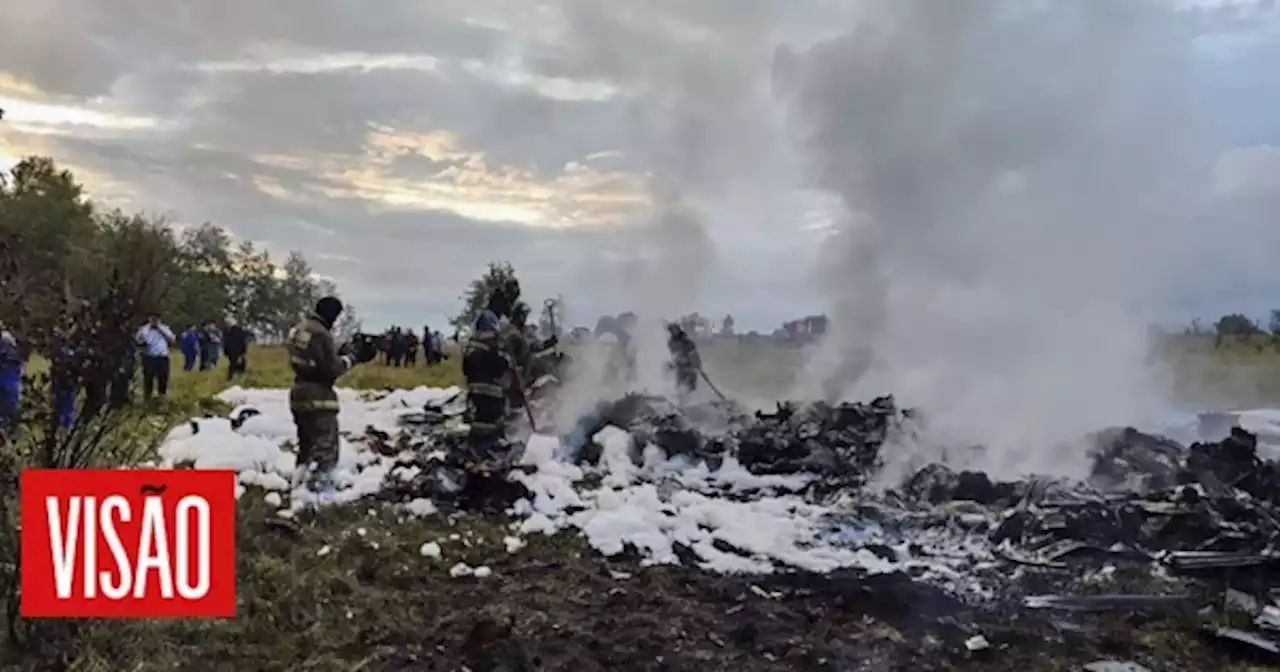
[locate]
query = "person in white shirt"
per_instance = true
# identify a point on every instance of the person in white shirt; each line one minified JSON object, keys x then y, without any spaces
{"x":155,"y":338}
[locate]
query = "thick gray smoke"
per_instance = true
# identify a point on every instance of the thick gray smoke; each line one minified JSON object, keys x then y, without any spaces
{"x":693,"y":125}
{"x":1020,"y":180}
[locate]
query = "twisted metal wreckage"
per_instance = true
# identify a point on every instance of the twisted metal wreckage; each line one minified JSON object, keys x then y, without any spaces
{"x":1190,"y":526}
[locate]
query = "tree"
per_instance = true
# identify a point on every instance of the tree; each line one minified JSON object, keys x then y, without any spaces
{"x":1235,"y":324}
{"x":348,"y":324}
{"x":45,"y":214}
{"x":89,"y":327}
{"x":255,"y":294}
{"x":298,"y":291}
{"x":68,"y":251}
{"x":205,"y":269}
{"x":477,"y":295}
{"x":1274,"y":327}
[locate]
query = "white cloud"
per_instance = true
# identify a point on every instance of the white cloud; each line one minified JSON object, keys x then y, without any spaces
{"x":38,"y":117}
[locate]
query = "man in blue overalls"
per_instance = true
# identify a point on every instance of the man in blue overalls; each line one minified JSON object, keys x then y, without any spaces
{"x":11,"y":361}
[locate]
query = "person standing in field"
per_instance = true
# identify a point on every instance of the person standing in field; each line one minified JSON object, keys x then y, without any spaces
{"x":317,"y":364}
{"x":235,"y":342}
{"x":190,"y":348}
{"x":156,"y":338}
{"x":410,"y":348}
{"x":11,"y":364}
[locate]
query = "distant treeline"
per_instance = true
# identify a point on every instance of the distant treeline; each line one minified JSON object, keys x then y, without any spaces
{"x":1237,"y":327}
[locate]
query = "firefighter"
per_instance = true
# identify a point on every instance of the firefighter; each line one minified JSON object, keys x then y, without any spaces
{"x":685,"y":360}
{"x":317,"y":364}
{"x":487,"y":367}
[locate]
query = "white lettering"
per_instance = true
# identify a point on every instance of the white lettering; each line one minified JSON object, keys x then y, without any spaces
{"x":90,"y":547}
{"x":62,"y":543}
{"x":200,"y":506}
{"x":114,"y":503}
{"x":153,"y":551}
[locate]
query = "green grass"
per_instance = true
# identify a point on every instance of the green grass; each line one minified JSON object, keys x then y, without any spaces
{"x":372,"y":602}
{"x":1242,"y":374}
{"x":1236,"y":374}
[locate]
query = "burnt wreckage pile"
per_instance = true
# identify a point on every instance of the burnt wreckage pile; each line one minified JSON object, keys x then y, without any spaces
{"x":1209,"y":505}
{"x":1148,"y":498}
{"x":838,"y":444}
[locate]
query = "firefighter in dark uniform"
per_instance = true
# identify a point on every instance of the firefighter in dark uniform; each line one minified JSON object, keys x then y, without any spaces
{"x":515,"y":341}
{"x":529,"y":353}
{"x":684,"y":359}
{"x":317,"y":364}
{"x":488,"y":370}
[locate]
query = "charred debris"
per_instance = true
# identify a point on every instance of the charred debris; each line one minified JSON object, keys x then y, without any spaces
{"x":1199,"y":524}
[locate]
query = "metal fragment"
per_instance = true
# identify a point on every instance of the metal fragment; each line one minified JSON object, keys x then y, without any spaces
{"x":1114,"y":666}
{"x":1107,"y":602}
{"x":1247,"y":638}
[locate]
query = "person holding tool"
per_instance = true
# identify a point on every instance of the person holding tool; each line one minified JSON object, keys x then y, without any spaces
{"x":685,"y":360}
{"x":687,"y":363}
{"x":317,"y":364}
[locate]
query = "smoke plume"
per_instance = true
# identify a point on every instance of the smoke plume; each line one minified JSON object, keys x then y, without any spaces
{"x":1017,"y":178}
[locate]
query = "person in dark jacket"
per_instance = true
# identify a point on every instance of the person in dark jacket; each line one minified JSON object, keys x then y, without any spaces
{"x":685,"y":360}
{"x":317,"y":364}
{"x":190,"y":348}
{"x":210,"y":346}
{"x":235,"y":342}
{"x":410,"y":348}
{"x":429,"y":352}
{"x":397,"y":347}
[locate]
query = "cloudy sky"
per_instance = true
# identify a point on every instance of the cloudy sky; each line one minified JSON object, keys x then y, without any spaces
{"x":624,"y":154}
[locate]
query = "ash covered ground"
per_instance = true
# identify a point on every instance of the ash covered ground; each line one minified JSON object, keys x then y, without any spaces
{"x":655,"y":536}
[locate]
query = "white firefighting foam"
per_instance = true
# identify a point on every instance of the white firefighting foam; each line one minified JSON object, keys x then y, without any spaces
{"x":731,"y":520}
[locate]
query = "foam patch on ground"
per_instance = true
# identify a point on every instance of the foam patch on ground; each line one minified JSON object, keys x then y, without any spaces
{"x":256,"y":449}
{"x":729,"y":519}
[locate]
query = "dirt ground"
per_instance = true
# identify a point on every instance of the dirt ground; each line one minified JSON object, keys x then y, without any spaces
{"x":353,"y":591}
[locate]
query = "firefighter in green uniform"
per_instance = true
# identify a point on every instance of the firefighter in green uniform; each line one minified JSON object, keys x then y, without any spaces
{"x":527,"y":351}
{"x":317,"y":364}
{"x":488,"y":370}
{"x":515,"y":341}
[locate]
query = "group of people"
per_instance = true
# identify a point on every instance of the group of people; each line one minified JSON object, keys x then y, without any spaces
{"x":399,"y":347}
{"x":499,"y":362}
{"x":204,"y":346}
{"x":150,"y":347}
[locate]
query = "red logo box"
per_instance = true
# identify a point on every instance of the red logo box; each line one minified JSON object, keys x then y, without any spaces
{"x":106,"y":543}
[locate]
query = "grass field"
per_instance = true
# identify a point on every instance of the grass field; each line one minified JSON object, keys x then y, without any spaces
{"x":353,"y":592}
{"x":1239,"y":374}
